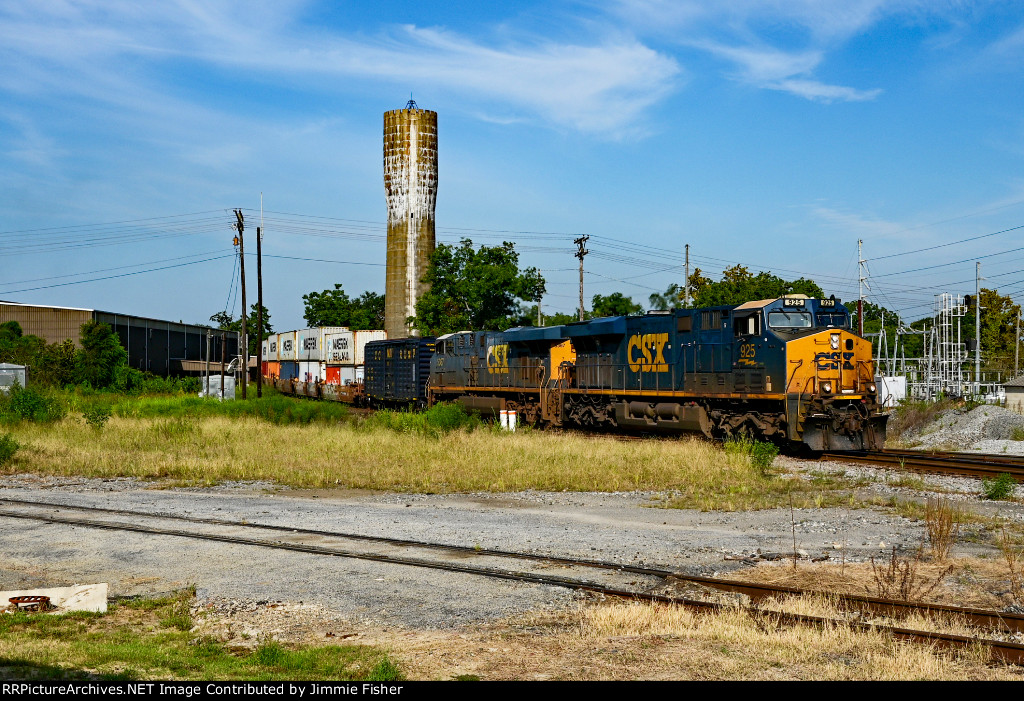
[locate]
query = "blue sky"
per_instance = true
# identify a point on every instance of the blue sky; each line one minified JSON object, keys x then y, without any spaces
{"x":770,"y":133}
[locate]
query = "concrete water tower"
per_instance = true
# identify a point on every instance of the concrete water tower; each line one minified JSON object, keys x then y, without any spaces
{"x":410,"y":182}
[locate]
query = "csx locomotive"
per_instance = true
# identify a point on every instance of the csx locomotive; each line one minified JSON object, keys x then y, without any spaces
{"x":787,"y":370}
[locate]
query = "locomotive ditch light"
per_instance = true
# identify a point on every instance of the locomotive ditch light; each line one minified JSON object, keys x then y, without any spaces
{"x":872,"y":388}
{"x":833,"y":341}
{"x":826,"y":387}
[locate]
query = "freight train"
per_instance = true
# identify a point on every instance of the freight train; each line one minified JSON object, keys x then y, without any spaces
{"x":786,"y":370}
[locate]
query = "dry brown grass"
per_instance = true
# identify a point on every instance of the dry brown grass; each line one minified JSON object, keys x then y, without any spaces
{"x":625,"y":641}
{"x":1012,"y":557}
{"x":972,"y":582}
{"x":214,"y":449}
{"x":942,"y":521}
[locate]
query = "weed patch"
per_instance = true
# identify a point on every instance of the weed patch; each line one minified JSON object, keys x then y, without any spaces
{"x":1000,"y":487}
{"x":148,"y":639}
{"x":902,"y":578}
{"x":8,"y":447}
{"x":942,"y":521}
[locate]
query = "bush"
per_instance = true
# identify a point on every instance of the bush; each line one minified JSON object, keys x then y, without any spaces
{"x":8,"y":447}
{"x":435,"y":422}
{"x":29,"y":404}
{"x":1000,"y":487}
{"x":96,"y":415}
{"x":762,"y":454}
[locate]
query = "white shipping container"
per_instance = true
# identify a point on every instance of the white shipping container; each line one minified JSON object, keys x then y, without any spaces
{"x":360,"y":340}
{"x":309,"y":371}
{"x":307,"y":344}
{"x":272,"y":348}
{"x":338,"y":348}
{"x":265,"y":350}
{"x":325,"y":331}
{"x":286,"y":346}
{"x":347,"y":374}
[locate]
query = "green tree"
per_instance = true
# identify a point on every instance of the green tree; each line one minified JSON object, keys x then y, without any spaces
{"x":101,"y":355}
{"x":55,"y":365}
{"x":739,"y":285}
{"x":474,"y":289}
{"x":336,"y":308}
{"x":672,"y":298}
{"x":17,"y":348}
{"x":998,"y":329}
{"x":614,"y":304}
{"x":228,"y":322}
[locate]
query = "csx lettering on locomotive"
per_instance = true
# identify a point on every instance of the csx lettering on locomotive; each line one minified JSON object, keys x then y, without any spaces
{"x":497,"y":359}
{"x":830,"y":361}
{"x":647,"y":352}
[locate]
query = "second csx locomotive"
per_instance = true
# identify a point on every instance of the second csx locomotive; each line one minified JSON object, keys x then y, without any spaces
{"x":788,"y":370}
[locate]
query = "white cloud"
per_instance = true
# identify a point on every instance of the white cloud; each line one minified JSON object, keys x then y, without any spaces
{"x":772,"y":44}
{"x":602,"y":86}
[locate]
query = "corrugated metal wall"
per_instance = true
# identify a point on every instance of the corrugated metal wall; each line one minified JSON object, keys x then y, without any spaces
{"x":153,"y":345}
{"x":52,"y":324}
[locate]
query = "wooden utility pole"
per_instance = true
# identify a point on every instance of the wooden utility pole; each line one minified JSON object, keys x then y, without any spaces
{"x":1016,"y":348}
{"x":223,"y":350}
{"x":686,"y":280}
{"x":540,"y":317}
{"x":582,"y":251}
{"x":860,"y":295}
{"x":259,"y":312}
{"x":240,"y":226}
{"x":977,"y":331}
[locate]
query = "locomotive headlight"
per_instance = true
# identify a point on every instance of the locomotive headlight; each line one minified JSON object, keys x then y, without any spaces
{"x":826,"y":387}
{"x":833,"y":341}
{"x":872,"y":389}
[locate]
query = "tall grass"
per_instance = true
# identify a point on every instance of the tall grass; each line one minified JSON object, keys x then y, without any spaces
{"x":273,"y":408}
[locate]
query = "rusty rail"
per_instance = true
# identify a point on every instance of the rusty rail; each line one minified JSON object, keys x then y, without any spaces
{"x":1006,"y":622}
{"x":945,"y":463}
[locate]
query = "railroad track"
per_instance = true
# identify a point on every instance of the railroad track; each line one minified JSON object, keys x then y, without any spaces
{"x":983,"y":465}
{"x":453,"y":559}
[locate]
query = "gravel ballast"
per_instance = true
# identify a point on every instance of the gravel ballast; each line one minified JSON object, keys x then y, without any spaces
{"x":619,"y":527}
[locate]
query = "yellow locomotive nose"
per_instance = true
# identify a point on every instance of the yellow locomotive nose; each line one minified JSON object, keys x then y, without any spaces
{"x":831,"y":362}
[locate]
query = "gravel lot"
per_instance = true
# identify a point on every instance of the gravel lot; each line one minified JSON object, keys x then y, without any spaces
{"x":621,"y":527}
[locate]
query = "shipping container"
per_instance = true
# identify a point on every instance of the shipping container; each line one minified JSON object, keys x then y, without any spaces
{"x":309,"y":371}
{"x":272,"y":344}
{"x":362,"y":338}
{"x":273,"y":370}
{"x":340,"y":374}
{"x":307,"y":345}
{"x":265,"y":351}
{"x":286,"y":346}
{"x":289,"y":370}
{"x":325,"y":332}
{"x":338,"y":349}
{"x":343,"y":347}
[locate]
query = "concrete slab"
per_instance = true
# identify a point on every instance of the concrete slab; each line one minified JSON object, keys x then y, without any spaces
{"x":82,"y":597}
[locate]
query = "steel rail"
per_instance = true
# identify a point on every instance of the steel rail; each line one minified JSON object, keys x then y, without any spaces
{"x":1008,"y":652}
{"x":986,"y":618}
{"x":964,"y":464}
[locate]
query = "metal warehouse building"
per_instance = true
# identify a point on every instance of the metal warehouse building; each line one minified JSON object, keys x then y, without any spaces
{"x":160,"y":347}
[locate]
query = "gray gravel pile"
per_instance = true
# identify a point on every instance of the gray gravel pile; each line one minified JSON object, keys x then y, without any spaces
{"x":987,"y":428}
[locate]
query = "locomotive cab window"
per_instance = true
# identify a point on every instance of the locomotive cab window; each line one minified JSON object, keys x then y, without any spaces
{"x":836,"y":319}
{"x":747,"y":325}
{"x":790,"y":320}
